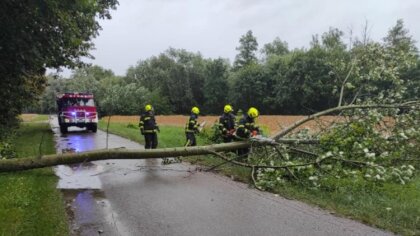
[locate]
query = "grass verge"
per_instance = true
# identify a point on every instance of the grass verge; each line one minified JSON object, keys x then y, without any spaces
{"x":30,"y":204}
{"x":393,"y":207}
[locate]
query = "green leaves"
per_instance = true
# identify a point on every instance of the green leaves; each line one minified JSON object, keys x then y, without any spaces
{"x":42,"y":34}
{"x":248,"y":46}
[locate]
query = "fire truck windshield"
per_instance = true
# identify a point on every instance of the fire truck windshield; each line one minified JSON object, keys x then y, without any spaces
{"x":78,"y":102}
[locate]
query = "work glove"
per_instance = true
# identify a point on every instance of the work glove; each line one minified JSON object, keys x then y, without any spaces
{"x":158,"y":129}
{"x":142,"y":131}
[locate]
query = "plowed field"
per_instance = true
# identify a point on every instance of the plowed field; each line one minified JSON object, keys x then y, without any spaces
{"x":274,"y":123}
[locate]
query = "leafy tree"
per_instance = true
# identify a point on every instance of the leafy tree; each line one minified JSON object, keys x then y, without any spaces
{"x":37,"y":35}
{"x":194,"y":65}
{"x":177,"y":74}
{"x":216,"y":89}
{"x":332,"y":39}
{"x":93,"y":72}
{"x":47,"y":103}
{"x":251,"y":85}
{"x":277,"y":47}
{"x":306,"y":85}
{"x":399,"y":40}
{"x":247,"y":50}
{"x":128,"y":99}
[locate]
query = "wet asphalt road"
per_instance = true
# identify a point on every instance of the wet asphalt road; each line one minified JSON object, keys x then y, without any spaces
{"x":142,"y":197}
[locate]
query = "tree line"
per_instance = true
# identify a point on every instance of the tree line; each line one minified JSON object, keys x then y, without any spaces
{"x":275,"y":79}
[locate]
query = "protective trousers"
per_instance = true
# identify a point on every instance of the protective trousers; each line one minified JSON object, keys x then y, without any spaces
{"x":151,"y":141}
{"x":190,"y":139}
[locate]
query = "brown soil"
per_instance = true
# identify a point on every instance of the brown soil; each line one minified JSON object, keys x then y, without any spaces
{"x":274,"y":123}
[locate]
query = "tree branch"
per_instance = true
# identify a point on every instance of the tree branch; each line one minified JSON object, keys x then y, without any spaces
{"x":344,"y":84}
{"x":335,"y":109}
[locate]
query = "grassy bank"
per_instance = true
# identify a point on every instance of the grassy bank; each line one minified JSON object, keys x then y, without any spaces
{"x":30,"y":204}
{"x":391,"y":206}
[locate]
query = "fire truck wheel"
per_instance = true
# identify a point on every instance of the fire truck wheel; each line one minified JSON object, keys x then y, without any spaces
{"x":63,"y":129}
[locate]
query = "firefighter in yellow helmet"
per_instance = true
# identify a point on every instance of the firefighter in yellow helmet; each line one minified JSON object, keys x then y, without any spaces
{"x":149,"y":127}
{"x":247,"y":128}
{"x":191,"y":128}
{"x":227,"y":124}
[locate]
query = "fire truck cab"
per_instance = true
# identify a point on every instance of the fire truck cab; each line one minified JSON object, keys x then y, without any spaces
{"x":77,"y":109}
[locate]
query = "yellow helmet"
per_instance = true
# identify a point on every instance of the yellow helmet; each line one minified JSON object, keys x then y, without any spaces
{"x":228,"y":108}
{"x":253,"y":112}
{"x":148,"y":107}
{"x":195,"y":110}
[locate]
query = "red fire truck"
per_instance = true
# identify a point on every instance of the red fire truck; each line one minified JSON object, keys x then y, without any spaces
{"x":77,"y":109}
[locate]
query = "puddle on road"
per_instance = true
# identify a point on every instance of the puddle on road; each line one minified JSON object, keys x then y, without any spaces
{"x":90,"y":213}
{"x":86,"y":209}
{"x":80,"y":176}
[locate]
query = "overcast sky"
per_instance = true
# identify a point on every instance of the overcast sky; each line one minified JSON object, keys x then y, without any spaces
{"x":140,"y":29}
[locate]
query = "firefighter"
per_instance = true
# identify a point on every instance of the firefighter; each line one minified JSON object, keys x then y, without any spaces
{"x":191,"y":128}
{"x":227,"y":124}
{"x":247,"y":128}
{"x":148,"y":127}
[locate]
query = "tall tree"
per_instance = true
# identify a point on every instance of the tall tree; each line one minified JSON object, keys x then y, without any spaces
{"x":37,"y":35}
{"x":277,"y":47}
{"x":250,"y":87}
{"x":400,"y":41}
{"x":247,"y":50}
{"x":216,"y":90}
{"x":398,"y":37}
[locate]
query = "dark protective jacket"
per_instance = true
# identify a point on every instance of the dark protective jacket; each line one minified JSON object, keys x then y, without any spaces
{"x":227,"y":123}
{"x":147,"y":123}
{"x":247,"y":127}
{"x":192,"y":124}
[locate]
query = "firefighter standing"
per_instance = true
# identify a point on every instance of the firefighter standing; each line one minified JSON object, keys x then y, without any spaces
{"x":247,"y":128}
{"x":148,"y":127}
{"x":227,"y":123}
{"x":191,"y":128}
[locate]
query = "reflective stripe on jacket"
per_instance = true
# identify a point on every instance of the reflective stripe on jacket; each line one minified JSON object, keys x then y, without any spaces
{"x":148,"y":123}
{"x":246,"y":126}
{"x":227,"y":123}
{"x":192,"y":124}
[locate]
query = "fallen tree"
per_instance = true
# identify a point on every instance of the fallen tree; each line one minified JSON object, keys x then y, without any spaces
{"x":18,"y":164}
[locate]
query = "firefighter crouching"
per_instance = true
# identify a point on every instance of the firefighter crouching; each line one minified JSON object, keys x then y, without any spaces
{"x":247,"y":128}
{"x":191,"y":128}
{"x":227,"y":124}
{"x":148,"y":127}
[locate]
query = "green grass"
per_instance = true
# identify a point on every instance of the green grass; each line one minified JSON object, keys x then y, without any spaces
{"x":40,"y":117}
{"x":30,"y":204}
{"x":169,"y":136}
{"x":392,"y":207}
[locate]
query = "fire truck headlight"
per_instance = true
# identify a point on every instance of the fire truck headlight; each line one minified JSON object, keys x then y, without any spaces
{"x":87,"y":113}
{"x":73,"y":113}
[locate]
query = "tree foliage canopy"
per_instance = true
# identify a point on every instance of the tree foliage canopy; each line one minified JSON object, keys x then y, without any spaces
{"x":283,"y":81}
{"x":42,"y":34}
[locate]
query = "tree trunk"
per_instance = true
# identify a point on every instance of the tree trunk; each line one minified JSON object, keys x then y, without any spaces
{"x":19,"y":164}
